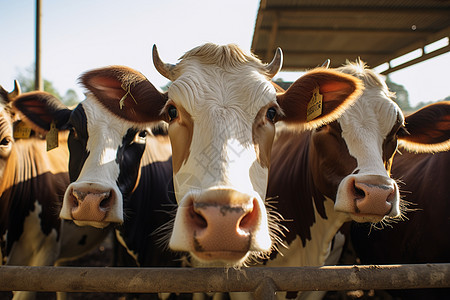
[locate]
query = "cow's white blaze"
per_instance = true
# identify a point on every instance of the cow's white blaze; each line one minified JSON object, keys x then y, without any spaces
{"x":365,"y":127}
{"x":223,"y":108}
{"x":100,"y":170}
{"x":222,"y":155}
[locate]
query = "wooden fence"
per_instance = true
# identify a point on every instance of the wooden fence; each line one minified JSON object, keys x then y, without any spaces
{"x":261,"y":281}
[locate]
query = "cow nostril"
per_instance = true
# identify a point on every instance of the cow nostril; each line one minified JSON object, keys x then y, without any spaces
{"x":106,"y":202}
{"x":359,"y":193}
{"x":250,"y":218}
{"x":246,"y":221}
{"x":77,"y":197}
{"x":391,"y":197}
{"x":197,"y":218}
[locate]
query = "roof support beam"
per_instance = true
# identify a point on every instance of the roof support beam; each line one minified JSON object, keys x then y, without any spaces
{"x":273,"y":35}
{"x":371,"y":31}
{"x":331,"y":52}
{"x":358,"y":9}
{"x":417,"y":60}
{"x":419,"y":45}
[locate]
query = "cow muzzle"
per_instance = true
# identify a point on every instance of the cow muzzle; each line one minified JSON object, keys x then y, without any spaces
{"x":221,"y":227}
{"x":91,"y":204}
{"x":368,"y":198}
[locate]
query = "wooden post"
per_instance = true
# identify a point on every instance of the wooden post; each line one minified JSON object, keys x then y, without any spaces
{"x":259,"y":280}
{"x":38,"y":82}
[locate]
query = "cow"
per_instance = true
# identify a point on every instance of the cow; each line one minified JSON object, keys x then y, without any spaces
{"x":422,"y":236}
{"x":340,"y":172}
{"x":221,"y":110}
{"x":32,"y":184}
{"x":119,"y":172}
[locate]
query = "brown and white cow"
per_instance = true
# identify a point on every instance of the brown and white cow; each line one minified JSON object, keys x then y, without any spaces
{"x":221,"y":109}
{"x":31,"y":188}
{"x":422,"y":237}
{"x":120,"y":173}
{"x":341,"y":171}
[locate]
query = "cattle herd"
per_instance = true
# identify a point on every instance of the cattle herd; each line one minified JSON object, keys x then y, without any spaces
{"x":225,"y":169}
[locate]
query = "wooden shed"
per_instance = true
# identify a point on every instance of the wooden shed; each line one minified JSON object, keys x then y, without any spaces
{"x":310,"y":31}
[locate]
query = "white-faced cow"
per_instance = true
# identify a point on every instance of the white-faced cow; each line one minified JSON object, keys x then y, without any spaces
{"x":32,"y":184}
{"x":341,"y":171}
{"x":118,"y":173}
{"x":422,"y":237}
{"x":221,"y":109}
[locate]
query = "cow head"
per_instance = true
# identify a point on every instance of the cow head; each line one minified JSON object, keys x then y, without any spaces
{"x":6,"y":125}
{"x":352,"y":156}
{"x":105,"y":150}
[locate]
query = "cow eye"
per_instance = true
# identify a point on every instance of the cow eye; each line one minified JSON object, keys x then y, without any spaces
{"x":140,"y":137}
{"x":271,"y":113}
{"x":172,"y":112}
{"x":143,"y":133}
{"x":5,"y":142}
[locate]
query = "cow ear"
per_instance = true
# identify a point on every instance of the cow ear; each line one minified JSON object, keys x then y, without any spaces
{"x":428,"y":129}
{"x":40,"y":109}
{"x":126,"y":93}
{"x":320,"y":96}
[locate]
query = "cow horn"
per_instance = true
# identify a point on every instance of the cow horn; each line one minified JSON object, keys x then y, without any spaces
{"x":164,"y":69}
{"x":275,"y":65}
{"x":16,"y":92}
{"x":326,"y":64}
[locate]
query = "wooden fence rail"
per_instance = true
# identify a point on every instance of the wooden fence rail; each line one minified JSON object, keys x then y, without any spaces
{"x":263,"y":281}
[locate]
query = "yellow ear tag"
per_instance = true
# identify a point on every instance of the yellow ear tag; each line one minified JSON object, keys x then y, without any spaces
{"x":21,"y":131}
{"x":52,"y":137}
{"x":314,"y":108}
{"x":128,"y":92}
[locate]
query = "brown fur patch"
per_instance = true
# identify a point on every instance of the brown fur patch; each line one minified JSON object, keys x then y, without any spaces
{"x":338,"y":90}
{"x":126,"y":93}
{"x":428,"y":129}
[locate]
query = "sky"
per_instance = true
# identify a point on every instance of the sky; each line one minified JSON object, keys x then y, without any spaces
{"x":81,"y":35}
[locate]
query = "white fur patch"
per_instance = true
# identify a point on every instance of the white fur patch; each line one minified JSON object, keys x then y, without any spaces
{"x":365,"y":126}
{"x":316,"y":250}
{"x":34,"y":248}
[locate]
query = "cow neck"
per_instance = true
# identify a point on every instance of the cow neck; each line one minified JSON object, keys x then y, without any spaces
{"x":291,"y":184}
{"x":150,"y":198}
{"x":310,"y":217}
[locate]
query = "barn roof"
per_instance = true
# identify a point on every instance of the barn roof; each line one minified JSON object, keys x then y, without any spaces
{"x":310,"y":31}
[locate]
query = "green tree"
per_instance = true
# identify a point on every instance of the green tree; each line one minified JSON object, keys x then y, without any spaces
{"x":26,"y":81}
{"x":402,"y":97}
{"x":70,"y":98}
